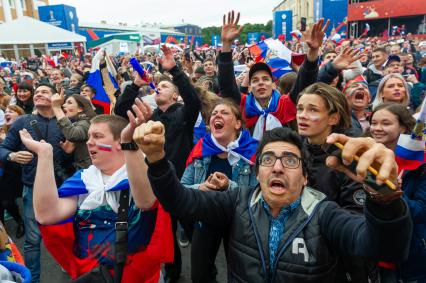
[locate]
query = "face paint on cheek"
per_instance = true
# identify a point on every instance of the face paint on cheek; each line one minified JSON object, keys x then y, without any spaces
{"x":104,"y":147}
{"x":314,"y":118}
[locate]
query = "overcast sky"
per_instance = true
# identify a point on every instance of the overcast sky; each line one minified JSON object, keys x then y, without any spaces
{"x":200,"y":12}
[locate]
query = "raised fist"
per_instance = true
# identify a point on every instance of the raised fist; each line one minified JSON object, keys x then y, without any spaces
{"x":150,"y":137}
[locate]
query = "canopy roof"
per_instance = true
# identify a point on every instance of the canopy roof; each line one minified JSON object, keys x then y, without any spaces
{"x":26,"y":30}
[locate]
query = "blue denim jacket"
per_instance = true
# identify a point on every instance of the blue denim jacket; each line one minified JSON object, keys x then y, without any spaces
{"x":243,"y":175}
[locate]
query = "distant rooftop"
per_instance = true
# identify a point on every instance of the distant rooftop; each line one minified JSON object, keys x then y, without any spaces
{"x":124,"y":27}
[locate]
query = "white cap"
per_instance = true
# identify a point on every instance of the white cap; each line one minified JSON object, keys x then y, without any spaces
{"x":422,"y":43}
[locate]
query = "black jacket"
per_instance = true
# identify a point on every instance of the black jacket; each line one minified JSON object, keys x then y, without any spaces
{"x":336,"y":185}
{"x":50,"y":133}
{"x":315,"y":234}
{"x":178,"y":119}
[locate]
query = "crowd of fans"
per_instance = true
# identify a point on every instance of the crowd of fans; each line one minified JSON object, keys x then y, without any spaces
{"x":222,"y":132}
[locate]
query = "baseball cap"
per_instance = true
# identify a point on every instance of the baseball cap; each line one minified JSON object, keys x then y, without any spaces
{"x":422,"y":43}
{"x":260,"y":66}
{"x":392,"y":58}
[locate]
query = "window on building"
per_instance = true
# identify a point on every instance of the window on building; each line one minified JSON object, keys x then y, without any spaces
{"x":12,"y":4}
{"x":23,"y":5}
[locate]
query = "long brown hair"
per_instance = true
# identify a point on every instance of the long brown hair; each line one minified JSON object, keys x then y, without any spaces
{"x":84,"y":104}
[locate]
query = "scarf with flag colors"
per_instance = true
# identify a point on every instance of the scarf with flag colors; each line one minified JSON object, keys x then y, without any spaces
{"x":280,"y":111}
{"x":87,"y":240}
{"x":410,"y":149}
{"x":103,"y":81}
{"x":275,"y":54}
{"x":242,"y":148}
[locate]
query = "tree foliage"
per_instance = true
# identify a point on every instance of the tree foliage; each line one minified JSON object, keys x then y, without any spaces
{"x":208,"y":32}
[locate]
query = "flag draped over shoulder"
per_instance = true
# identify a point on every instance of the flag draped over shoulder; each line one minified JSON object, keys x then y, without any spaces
{"x":410,"y":149}
{"x":280,"y":111}
{"x":275,"y":54}
{"x":243,"y":148}
{"x":87,"y":240}
{"x":103,"y":81}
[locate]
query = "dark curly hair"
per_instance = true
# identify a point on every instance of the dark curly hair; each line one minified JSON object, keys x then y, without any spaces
{"x":283,"y":134}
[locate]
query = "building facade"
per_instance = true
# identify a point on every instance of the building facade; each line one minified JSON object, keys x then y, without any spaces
{"x":300,"y":9}
{"x":12,"y":9}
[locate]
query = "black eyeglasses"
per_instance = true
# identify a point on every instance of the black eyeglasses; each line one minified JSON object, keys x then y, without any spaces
{"x":288,"y":160}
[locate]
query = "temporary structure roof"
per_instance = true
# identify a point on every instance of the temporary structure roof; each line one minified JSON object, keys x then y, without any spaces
{"x":26,"y":30}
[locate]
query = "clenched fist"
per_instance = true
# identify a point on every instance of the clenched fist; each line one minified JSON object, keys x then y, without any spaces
{"x":150,"y":137}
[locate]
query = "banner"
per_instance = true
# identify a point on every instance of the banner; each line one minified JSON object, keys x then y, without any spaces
{"x":282,"y":23}
{"x":215,"y":40}
{"x":381,"y":9}
{"x":62,"y":16}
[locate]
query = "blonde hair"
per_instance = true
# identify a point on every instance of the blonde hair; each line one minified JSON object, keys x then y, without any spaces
{"x":208,"y":101}
{"x":379,"y":94}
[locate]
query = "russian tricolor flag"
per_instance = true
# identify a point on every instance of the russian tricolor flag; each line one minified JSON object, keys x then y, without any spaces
{"x":297,"y":34}
{"x":409,"y":153}
{"x":103,"y":81}
{"x":410,"y":150}
{"x":275,"y":54}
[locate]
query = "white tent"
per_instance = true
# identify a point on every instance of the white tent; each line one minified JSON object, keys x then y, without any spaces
{"x":26,"y":30}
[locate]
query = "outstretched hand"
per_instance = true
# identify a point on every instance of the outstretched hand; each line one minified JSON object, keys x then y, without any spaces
{"x":150,"y":137}
{"x":344,"y":60}
{"x":371,"y":154}
{"x":314,"y":36}
{"x":167,"y":61}
{"x":230,"y":29}
{"x":33,"y":145}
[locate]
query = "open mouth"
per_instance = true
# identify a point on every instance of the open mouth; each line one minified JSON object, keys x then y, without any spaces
{"x":93,"y":153}
{"x":277,"y":185}
{"x":8,"y":119}
{"x":359,"y":95}
{"x":303,"y":125}
{"x":397,"y":94}
{"x":218,"y":125}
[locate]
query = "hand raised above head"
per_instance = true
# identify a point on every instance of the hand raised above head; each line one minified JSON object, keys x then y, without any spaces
{"x":143,"y":113}
{"x":230,"y":29}
{"x":314,"y":35}
{"x":167,"y":61}
{"x":346,"y":58}
{"x":150,"y":137}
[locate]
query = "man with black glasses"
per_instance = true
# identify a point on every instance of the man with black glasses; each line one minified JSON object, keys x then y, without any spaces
{"x":282,"y":230}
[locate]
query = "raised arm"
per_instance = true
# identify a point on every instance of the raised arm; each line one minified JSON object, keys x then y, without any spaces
{"x":214,"y":208}
{"x":49,"y":208}
{"x":308,"y":72}
{"x":344,"y":61}
{"x":135,"y":160}
{"x":227,"y":83}
{"x":127,"y":99}
{"x":385,"y":231}
{"x":186,"y":89}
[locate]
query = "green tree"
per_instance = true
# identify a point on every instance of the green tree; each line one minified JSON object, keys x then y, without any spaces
{"x":208,"y":32}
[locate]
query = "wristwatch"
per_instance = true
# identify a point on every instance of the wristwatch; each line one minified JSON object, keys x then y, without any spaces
{"x":9,"y":157}
{"x":129,"y":146}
